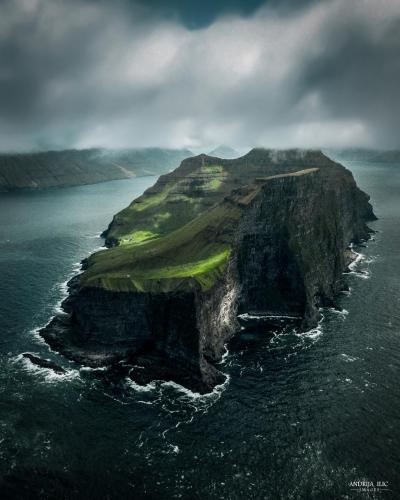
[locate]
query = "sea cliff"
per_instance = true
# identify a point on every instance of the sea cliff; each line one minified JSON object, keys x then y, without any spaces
{"x":266,"y":234}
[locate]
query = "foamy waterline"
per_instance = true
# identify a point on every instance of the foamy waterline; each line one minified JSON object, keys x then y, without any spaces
{"x":47,"y":374}
{"x":156,"y":385}
{"x":63,"y":289}
{"x":340,"y":312}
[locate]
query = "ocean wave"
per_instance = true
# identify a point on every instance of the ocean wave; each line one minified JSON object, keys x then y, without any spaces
{"x":63,"y":287}
{"x":47,"y":374}
{"x":224,"y":356}
{"x":91,"y":369}
{"x":313,"y":333}
{"x":96,"y":236}
{"x":348,"y":358}
{"x":359,"y":258}
{"x":34,"y":332}
{"x":151,"y":386}
{"x":247,"y":316}
{"x":365,"y":275}
{"x":196,"y":396}
{"x":340,"y":312}
{"x":354,"y":267}
{"x":98,"y":249}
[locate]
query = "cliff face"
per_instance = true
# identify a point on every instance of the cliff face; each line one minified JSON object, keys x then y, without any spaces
{"x":198,"y":184}
{"x":88,"y":166}
{"x":274,"y":246}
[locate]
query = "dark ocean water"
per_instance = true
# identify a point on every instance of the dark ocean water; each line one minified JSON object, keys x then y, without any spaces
{"x":300,"y":416}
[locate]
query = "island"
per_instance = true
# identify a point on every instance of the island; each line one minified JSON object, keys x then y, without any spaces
{"x":268,"y":234}
{"x":73,"y":167}
{"x":366,"y":155}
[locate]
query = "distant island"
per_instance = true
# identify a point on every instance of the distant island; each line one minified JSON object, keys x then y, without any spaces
{"x":365,"y":154}
{"x":268,"y":234}
{"x":72,"y":167}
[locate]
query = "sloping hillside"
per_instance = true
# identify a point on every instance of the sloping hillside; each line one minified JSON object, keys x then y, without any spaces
{"x":89,"y":166}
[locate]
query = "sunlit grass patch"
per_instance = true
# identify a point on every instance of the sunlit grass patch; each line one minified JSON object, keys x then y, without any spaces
{"x":137,"y":237}
{"x":150,"y":200}
{"x":190,"y":269}
{"x":212,"y":169}
{"x":163,"y":279}
{"x":214,"y":184}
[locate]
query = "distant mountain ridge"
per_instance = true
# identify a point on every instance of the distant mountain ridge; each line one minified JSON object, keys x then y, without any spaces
{"x":87,"y":166}
{"x":364,"y":154}
{"x":224,"y":152}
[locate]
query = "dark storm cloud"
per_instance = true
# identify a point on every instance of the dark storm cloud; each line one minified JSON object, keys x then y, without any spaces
{"x":198,"y":14}
{"x":85,"y":73}
{"x":358,"y":75}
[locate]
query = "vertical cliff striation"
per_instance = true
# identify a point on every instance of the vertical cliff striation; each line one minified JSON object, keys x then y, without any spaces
{"x":267,"y":234}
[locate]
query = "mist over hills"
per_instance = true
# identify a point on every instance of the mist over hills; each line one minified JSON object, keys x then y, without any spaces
{"x":365,"y":154}
{"x":223,"y":151}
{"x":73,"y":167}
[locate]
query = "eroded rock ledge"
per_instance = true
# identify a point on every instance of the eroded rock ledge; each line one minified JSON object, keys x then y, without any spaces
{"x":267,"y":234}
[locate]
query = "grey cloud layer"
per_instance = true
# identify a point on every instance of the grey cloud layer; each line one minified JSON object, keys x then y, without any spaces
{"x":80,"y":74}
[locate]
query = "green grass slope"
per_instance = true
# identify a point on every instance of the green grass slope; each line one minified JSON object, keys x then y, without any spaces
{"x":198,"y":184}
{"x":193,"y":255}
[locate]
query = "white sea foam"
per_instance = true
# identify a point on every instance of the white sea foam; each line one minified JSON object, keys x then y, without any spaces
{"x":217,"y":391}
{"x":154,"y":386}
{"x":47,"y":374}
{"x":313,"y":333}
{"x":359,"y":258}
{"x":97,"y":249}
{"x":224,"y":356}
{"x":199,"y":403}
{"x":151,"y":386}
{"x":91,"y":369}
{"x":365,"y":275}
{"x":247,"y":316}
{"x":53,"y":377}
{"x":35,"y":333}
{"x":354,"y":266}
{"x":348,"y":359}
{"x":63,"y":287}
{"x":96,"y":236}
{"x":340,"y":312}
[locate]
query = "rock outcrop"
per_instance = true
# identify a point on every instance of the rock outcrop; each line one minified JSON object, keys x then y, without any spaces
{"x":266,"y":234}
{"x":44,"y":363}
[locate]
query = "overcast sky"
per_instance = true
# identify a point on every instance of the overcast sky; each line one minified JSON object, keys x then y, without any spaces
{"x":83,"y":73}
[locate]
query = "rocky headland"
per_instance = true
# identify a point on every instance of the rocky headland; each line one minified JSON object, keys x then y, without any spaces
{"x":267,"y":234}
